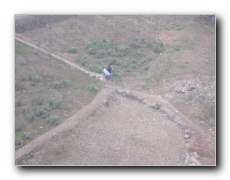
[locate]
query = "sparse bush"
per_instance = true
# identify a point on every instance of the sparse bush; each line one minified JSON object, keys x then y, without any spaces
{"x":157,"y":46}
{"x":84,"y":61}
{"x":146,"y":68}
{"x":29,"y":115}
{"x":139,"y":55}
{"x":42,"y":111}
{"x":53,"y":120}
{"x":23,"y":63}
{"x":26,"y":135}
{"x":39,"y":100}
{"x":18,"y":86}
{"x":93,"y":88}
{"x":72,"y":50}
{"x":33,"y":76}
{"x":138,"y":42}
{"x":131,"y":67}
{"x":49,"y":78}
{"x":18,"y":102}
{"x":180,"y":27}
{"x":54,"y":104}
{"x":18,"y":141}
{"x":100,"y":48}
{"x":98,"y":67}
{"x":62,"y":84}
{"x":92,"y":48}
{"x":116,"y":73}
{"x":121,"y":51}
{"x":147,"y":84}
{"x":18,"y":126}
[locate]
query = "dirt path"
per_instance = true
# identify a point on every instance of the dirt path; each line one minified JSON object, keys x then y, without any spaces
{"x":119,"y":127}
{"x":20,"y":38}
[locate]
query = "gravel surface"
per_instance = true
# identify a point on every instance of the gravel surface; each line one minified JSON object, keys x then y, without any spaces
{"x":117,"y":131}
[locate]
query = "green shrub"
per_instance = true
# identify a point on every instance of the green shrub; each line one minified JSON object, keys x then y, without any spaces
{"x":84,"y":61}
{"x":54,"y":104}
{"x":26,"y":135}
{"x":39,"y":100}
{"x":139,"y":55}
{"x":18,"y":141}
{"x":138,"y":42}
{"x":18,"y":126}
{"x":29,"y":115}
{"x":96,"y":67}
{"x":42,"y":111}
{"x":180,"y":27}
{"x":18,"y":102}
{"x":92,"y":48}
{"x":131,"y":67}
{"x":146,"y":68}
{"x":93,"y":88}
{"x":33,"y":76}
{"x":62,"y":84}
{"x":18,"y":86}
{"x":116,"y":73}
{"x":72,"y":50}
{"x":147,"y":84}
{"x":157,"y":46}
{"x":53,"y":120}
{"x":49,"y":78}
{"x":121,"y":51}
{"x":23,"y":63}
{"x":100,"y":48}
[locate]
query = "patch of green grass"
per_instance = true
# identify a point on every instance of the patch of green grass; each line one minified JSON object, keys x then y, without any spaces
{"x":139,"y":55}
{"x":38,"y":100}
{"x":18,"y":126}
{"x":138,"y":42}
{"x":156,"y":45}
{"x":100,"y":48}
{"x":42,"y":111}
{"x":30,"y":116}
{"x":190,"y":97}
{"x":34,"y":76}
{"x":95,"y":67}
{"x":84,"y":61}
{"x":49,"y":78}
{"x":121,"y":51}
{"x":23,"y":63}
{"x":18,"y":141}
{"x":180,"y":27}
{"x":54,"y":104}
{"x":146,"y":68}
{"x":21,"y":48}
{"x":18,"y":86}
{"x":93,"y":88}
{"x":185,"y":43}
{"x":147,"y":84}
{"x":116,"y":73}
{"x":53,"y":120}
{"x":157,"y":76}
{"x":72,"y":50}
{"x":26,"y":135}
{"x":182,"y":66}
{"x":60,"y":84}
{"x":18,"y":102}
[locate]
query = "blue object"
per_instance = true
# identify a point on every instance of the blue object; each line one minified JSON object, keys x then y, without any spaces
{"x":107,"y":73}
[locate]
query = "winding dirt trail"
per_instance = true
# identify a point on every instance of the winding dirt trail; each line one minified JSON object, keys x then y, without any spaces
{"x":119,"y":127}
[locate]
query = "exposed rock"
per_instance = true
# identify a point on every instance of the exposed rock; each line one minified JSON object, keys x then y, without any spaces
{"x":194,"y":160}
{"x":186,"y":136}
